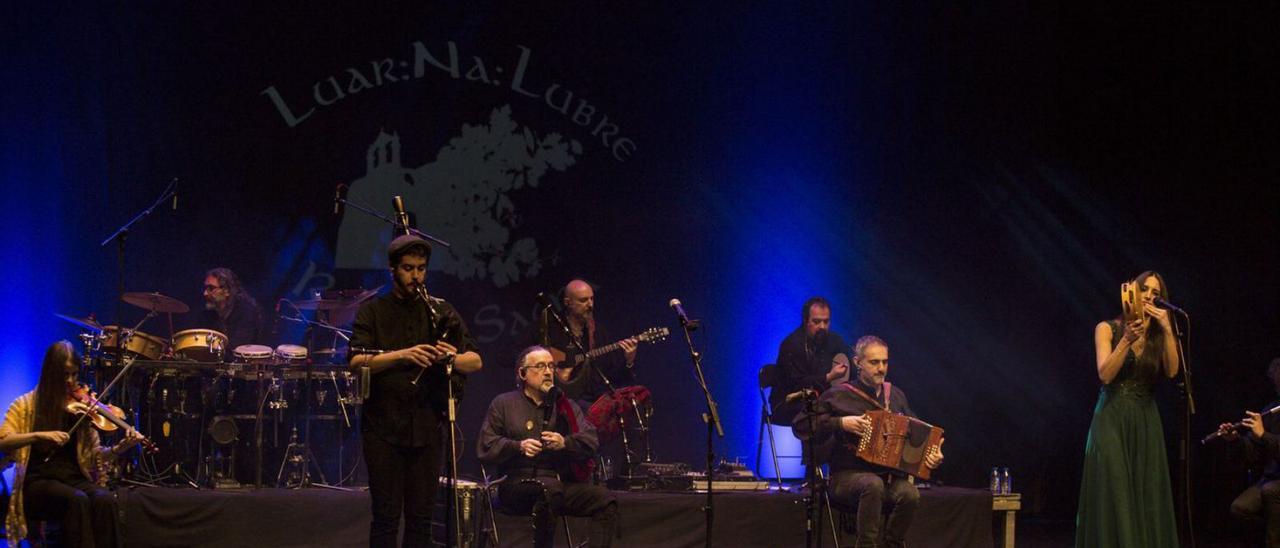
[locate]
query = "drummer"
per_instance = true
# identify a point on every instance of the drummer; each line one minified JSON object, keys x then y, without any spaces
{"x":230,"y":310}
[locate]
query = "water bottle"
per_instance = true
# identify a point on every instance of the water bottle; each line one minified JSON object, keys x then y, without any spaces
{"x":995,"y":481}
{"x":1006,"y":485}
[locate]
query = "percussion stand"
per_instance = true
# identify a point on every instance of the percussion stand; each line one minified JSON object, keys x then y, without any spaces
{"x":305,"y":447}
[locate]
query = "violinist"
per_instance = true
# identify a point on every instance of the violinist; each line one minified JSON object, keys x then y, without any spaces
{"x":55,"y":479}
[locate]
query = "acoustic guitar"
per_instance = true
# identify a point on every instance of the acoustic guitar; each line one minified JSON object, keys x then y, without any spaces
{"x":653,"y":334}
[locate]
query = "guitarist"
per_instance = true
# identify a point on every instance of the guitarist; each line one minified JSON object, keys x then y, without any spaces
{"x":582,"y":383}
{"x":841,"y":412}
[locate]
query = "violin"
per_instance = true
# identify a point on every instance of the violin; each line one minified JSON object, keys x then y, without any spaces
{"x":103,"y":416}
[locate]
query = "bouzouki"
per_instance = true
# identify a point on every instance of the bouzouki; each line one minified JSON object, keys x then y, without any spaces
{"x":653,"y":334}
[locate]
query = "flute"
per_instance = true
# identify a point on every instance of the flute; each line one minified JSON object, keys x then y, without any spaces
{"x":1236,"y":426}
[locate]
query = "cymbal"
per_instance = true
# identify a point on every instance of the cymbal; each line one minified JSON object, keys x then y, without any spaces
{"x":156,"y":302}
{"x":84,"y":323}
{"x":325,"y":304}
{"x":346,"y":298}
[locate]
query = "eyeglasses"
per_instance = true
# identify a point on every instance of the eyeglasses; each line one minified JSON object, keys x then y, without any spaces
{"x":546,"y":366}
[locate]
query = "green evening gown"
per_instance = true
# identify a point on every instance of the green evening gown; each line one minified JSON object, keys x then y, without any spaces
{"x":1125,"y":498}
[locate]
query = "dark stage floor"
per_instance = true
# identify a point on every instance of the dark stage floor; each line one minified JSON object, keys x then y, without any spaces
{"x":318,"y":517}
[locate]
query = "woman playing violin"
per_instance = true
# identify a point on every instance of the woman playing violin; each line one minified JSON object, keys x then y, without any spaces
{"x":54,"y":479}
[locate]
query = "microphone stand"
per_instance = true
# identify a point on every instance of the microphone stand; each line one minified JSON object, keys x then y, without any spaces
{"x":711,"y":417}
{"x":368,"y":210}
{"x":812,"y":514}
{"x":577,"y":345}
{"x":613,"y":393}
{"x":120,"y":236}
{"x":1188,"y":409}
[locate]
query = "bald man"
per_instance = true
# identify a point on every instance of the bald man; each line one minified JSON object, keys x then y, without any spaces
{"x":581,"y":382}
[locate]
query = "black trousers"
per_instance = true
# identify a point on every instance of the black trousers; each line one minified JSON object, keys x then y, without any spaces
{"x":1261,"y":502}
{"x":547,"y":498}
{"x":402,"y":481}
{"x":872,"y":495}
{"x":86,"y":510}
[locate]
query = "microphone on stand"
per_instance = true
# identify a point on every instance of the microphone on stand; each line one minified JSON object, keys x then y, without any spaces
{"x":175,"y":194}
{"x":337,"y":198}
{"x":685,"y":322}
{"x":1166,"y":304}
{"x":802,"y":394}
{"x":402,"y":217}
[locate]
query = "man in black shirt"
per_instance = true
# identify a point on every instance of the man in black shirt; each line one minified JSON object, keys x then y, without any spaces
{"x":229,"y":310}
{"x":541,"y":441}
{"x":810,"y":357}
{"x":581,"y":382}
{"x":838,"y":421}
{"x":1261,"y":501}
{"x":397,"y":337}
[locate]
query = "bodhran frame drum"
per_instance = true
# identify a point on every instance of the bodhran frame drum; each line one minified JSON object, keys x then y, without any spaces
{"x":255,"y":354}
{"x":291,"y":354}
{"x":138,"y":344}
{"x":899,"y":442}
{"x":199,"y":345}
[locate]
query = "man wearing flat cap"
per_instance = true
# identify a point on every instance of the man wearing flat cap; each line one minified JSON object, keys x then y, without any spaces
{"x":404,"y":334}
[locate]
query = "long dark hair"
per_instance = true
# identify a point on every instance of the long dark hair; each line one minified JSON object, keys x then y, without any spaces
{"x":51,"y":392}
{"x":229,"y":280}
{"x":1152,"y":357}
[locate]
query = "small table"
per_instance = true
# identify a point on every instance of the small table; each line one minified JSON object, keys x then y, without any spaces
{"x":1009,"y":504}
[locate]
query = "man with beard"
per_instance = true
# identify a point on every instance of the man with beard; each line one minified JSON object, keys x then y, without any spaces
{"x":582,"y":383}
{"x":229,"y":310}
{"x":540,"y":440}
{"x":841,"y":414}
{"x":401,"y":337}
{"x":810,"y":357}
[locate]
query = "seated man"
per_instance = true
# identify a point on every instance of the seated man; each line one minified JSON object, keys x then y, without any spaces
{"x":228,"y":309}
{"x":810,"y":357}
{"x":1261,"y":501}
{"x":540,"y":440}
{"x":840,"y":416}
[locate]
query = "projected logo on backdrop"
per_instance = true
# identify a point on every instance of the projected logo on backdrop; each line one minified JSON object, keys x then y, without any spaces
{"x":388,"y":71}
{"x":464,"y":194}
{"x":468,"y":192}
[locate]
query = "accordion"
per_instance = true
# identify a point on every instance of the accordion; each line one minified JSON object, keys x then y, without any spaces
{"x":899,"y":442}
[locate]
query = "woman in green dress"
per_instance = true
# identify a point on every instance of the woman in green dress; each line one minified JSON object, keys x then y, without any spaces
{"x":1125,"y":498}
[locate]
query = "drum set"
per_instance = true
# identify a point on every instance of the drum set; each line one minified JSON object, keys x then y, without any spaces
{"x":252,"y":415}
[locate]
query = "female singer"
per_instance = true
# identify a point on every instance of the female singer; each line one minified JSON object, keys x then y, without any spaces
{"x":1125,"y":498}
{"x":54,"y":479}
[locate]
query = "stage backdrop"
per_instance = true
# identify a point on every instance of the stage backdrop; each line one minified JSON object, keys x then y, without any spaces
{"x":970,"y":184}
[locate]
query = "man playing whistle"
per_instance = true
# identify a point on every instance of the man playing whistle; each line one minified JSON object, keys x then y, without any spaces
{"x":407,"y":336}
